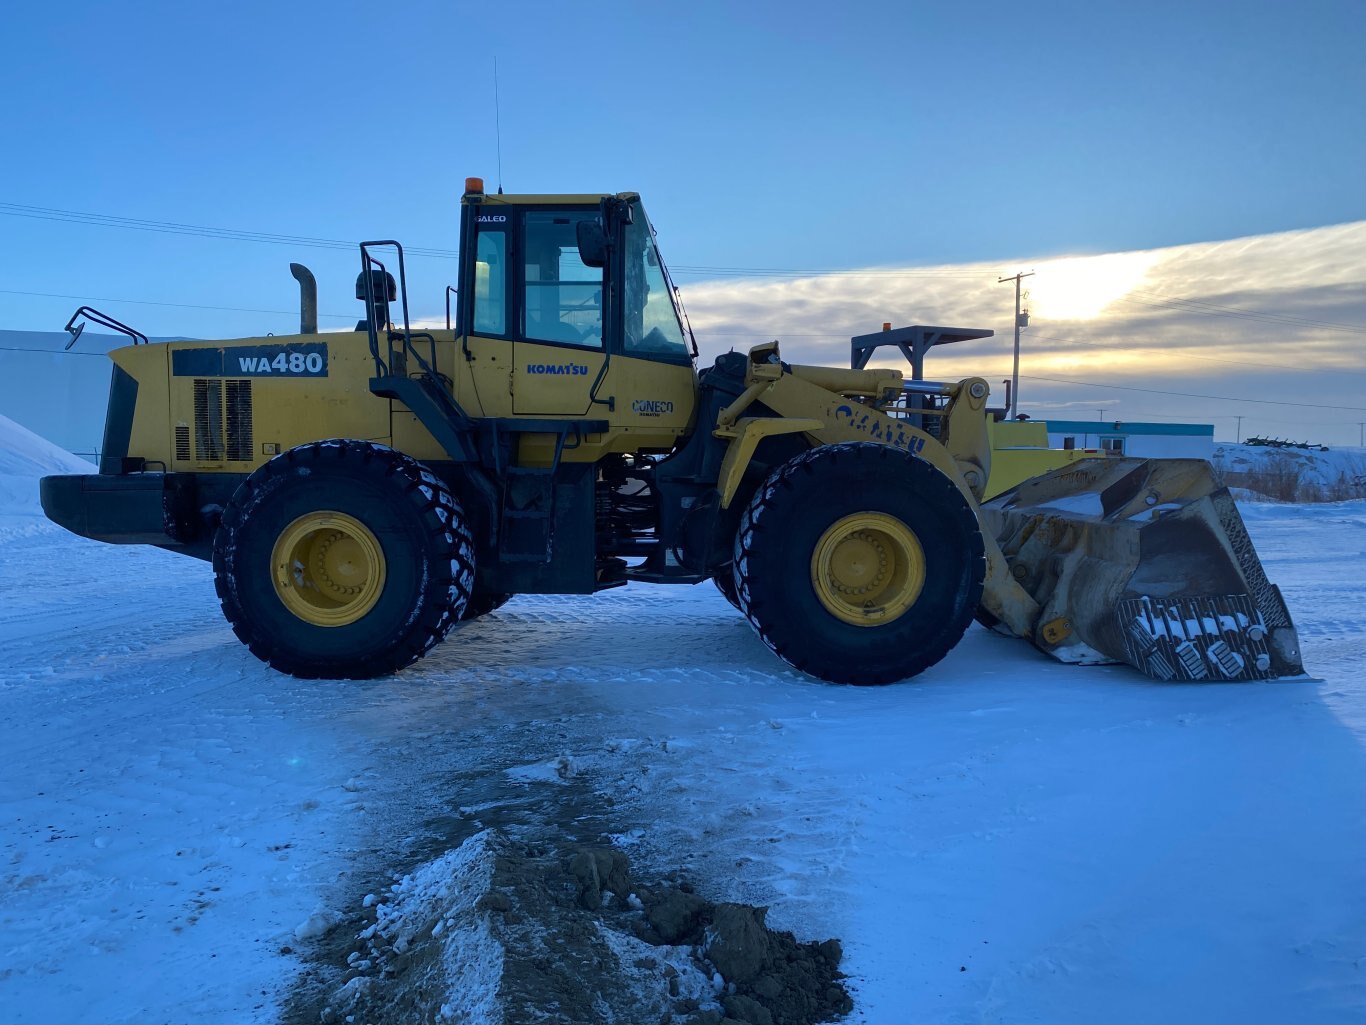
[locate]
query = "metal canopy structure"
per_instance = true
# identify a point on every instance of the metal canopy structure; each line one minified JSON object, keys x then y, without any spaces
{"x":913,"y":342}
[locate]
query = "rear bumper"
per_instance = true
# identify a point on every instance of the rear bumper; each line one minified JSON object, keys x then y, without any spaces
{"x":137,"y":508}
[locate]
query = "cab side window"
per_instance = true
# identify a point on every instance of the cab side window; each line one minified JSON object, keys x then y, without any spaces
{"x":490,"y":283}
{"x":563,"y":297}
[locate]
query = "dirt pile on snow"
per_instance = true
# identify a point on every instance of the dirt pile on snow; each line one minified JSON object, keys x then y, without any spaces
{"x":497,"y":931}
{"x":427,"y":952}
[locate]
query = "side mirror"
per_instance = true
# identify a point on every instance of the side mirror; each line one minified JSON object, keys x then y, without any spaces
{"x":592,"y":243}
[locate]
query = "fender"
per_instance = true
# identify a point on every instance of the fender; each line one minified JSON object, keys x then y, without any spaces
{"x":744,"y":438}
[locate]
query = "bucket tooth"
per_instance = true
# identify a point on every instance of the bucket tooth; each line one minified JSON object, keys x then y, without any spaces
{"x":1156,"y":665}
{"x":1228,"y":661}
{"x":1149,"y":563}
{"x":1191,"y":660}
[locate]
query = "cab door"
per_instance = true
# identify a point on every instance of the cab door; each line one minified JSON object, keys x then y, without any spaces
{"x":558,"y":355}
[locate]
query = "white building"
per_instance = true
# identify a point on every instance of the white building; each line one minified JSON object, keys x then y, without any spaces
{"x":58,"y":394}
{"x":1162,"y":441}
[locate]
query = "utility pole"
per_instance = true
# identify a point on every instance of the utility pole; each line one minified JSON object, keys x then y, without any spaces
{"x":1015,"y":375}
{"x":1240,"y":428}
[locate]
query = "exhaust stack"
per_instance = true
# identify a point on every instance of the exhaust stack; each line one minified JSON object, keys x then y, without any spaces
{"x":308,"y":298}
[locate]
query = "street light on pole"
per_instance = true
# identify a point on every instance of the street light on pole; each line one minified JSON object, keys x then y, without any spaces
{"x":1020,"y":321}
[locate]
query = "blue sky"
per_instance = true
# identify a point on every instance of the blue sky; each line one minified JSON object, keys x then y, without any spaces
{"x":763,"y":135}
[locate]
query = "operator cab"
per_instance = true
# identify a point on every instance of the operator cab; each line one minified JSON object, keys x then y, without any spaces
{"x":576,"y":285}
{"x":545,"y":269}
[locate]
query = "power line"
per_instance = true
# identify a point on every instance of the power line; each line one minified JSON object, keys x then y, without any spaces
{"x":49,"y":352}
{"x":235,"y":234}
{"x":1305,"y":423}
{"x":843,"y":272}
{"x":150,"y":302}
{"x":1189,"y":355}
{"x":1104,"y":347}
{"x":1155,"y":391}
{"x":1242,"y":311}
{"x":1197,"y":395}
{"x":1176,"y":306}
{"x":198,"y":230}
{"x":1156,"y":300}
{"x":769,"y":335}
{"x":1138,"y":415}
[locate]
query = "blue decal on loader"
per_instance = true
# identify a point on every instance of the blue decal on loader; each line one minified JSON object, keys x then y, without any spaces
{"x":889,"y":432}
{"x":556,"y":368}
{"x":301,"y":359}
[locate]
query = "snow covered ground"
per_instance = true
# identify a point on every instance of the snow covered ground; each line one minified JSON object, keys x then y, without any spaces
{"x":1003,"y":840}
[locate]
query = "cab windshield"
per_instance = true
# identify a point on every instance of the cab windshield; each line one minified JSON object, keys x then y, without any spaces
{"x":653,"y":325}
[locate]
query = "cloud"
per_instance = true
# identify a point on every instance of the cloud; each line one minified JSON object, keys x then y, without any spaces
{"x":1271,"y":328}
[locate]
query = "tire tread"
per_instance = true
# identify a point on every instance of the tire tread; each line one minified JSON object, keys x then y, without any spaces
{"x":762,"y":517}
{"x":438,"y":512}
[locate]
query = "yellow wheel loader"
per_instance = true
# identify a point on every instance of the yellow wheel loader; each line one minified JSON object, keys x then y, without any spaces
{"x":359,"y":494}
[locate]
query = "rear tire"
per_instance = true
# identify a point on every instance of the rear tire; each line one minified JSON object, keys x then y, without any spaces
{"x":342,"y":559}
{"x":859,"y":563}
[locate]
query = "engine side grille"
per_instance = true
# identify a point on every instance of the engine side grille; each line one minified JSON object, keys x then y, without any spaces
{"x":182,"y":442}
{"x":239,"y":420}
{"x":208,"y":420}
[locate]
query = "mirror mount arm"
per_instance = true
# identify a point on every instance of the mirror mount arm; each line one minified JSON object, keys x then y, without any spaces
{"x":104,"y":320}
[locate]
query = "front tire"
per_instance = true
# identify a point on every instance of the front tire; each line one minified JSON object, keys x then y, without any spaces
{"x":859,"y":563}
{"x":725,"y":583}
{"x":342,"y":559}
{"x":481,"y":603}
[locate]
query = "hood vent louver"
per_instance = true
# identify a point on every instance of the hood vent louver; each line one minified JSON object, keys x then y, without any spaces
{"x":222,"y":422}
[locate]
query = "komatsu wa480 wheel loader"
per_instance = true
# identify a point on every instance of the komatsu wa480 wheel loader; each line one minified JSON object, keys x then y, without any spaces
{"x":362,"y":493}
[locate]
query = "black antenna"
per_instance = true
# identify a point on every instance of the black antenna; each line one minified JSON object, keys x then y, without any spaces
{"x":498,"y":124}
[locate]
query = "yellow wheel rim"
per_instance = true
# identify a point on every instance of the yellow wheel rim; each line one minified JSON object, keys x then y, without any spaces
{"x":328,"y":568}
{"x":868,"y":569}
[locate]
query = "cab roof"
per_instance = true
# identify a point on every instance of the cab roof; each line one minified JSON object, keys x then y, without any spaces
{"x":543,"y":199}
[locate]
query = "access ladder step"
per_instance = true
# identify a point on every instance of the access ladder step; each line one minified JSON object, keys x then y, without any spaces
{"x":528,"y":515}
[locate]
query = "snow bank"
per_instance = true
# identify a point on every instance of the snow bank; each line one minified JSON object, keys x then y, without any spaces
{"x":24,"y":457}
{"x":25,"y":454}
{"x":1292,"y":474}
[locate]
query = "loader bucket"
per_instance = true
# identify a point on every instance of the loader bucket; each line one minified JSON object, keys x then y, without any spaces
{"x":1144,"y":561}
